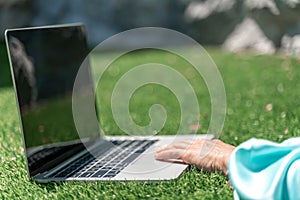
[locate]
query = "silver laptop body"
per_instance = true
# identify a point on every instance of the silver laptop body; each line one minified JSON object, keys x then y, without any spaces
{"x":44,"y":62}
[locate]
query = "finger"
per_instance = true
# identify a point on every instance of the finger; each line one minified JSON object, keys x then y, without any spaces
{"x":169,"y":154}
{"x":161,"y":148}
{"x":178,"y":145}
{"x":188,"y":141}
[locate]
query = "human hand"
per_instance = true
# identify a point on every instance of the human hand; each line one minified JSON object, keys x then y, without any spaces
{"x":204,"y":154}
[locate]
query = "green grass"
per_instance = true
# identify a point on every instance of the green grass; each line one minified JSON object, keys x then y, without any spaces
{"x":251,"y":83}
{"x":147,"y":95}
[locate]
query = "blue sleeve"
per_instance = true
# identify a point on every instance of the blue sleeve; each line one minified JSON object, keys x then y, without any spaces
{"x":260,"y":169}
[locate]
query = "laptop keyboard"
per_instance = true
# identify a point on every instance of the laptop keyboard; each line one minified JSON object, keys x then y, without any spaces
{"x":108,"y":162}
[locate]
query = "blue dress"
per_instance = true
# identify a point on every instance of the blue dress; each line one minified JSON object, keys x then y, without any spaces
{"x":260,"y":169}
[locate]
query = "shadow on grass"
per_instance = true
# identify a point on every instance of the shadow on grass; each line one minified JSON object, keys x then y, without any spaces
{"x":5,"y":77}
{"x":50,"y":187}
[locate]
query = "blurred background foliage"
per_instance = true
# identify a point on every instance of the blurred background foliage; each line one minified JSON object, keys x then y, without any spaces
{"x":263,"y":22}
{"x":261,"y":26}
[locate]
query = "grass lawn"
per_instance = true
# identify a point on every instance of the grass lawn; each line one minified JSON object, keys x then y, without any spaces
{"x":251,"y":83}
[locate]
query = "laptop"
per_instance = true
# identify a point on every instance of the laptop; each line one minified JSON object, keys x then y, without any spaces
{"x":44,"y":62}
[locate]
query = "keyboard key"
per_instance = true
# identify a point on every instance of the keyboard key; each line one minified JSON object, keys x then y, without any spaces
{"x":100,"y":173}
{"x":109,"y":175}
{"x":86,"y":174}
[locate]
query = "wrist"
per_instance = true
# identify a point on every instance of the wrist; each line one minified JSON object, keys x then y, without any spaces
{"x":226,"y":160}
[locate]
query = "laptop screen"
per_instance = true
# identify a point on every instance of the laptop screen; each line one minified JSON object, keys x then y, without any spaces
{"x":44,"y":64}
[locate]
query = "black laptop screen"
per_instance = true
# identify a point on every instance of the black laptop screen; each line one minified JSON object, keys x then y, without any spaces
{"x":44,"y":63}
